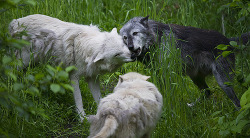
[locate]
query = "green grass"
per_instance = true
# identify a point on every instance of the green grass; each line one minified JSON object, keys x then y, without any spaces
{"x":178,"y":120}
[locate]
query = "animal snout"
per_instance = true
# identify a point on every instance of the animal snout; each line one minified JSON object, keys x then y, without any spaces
{"x":133,"y":56}
{"x":131,"y":47}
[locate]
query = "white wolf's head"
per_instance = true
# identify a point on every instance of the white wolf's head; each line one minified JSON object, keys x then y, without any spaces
{"x":130,"y":77}
{"x":113,"y":53}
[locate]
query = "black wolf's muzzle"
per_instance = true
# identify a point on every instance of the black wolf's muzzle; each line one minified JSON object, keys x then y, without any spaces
{"x":133,"y":56}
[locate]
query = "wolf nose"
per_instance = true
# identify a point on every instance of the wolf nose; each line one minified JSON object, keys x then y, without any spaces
{"x":130,"y":48}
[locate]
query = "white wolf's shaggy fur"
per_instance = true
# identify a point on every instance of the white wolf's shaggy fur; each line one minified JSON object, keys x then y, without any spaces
{"x":130,"y":112}
{"x":91,"y":51}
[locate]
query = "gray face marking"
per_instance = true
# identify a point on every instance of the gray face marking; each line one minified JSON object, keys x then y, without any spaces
{"x":134,"y":35}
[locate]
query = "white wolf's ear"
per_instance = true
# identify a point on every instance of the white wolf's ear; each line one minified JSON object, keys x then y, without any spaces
{"x":99,"y":57}
{"x":144,"y":21}
{"x":145,"y":77}
{"x":120,"y":79}
{"x":114,"y":30}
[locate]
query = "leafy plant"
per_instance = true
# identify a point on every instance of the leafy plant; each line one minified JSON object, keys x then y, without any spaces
{"x":16,"y":84}
{"x":239,"y":126}
{"x":242,"y":7}
{"x":228,"y":124}
{"x":11,"y":82}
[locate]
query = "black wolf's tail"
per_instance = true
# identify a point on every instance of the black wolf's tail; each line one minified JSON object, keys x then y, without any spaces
{"x":243,"y":39}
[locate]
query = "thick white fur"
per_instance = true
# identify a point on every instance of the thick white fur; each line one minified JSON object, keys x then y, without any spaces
{"x":130,"y":112}
{"x":91,"y":51}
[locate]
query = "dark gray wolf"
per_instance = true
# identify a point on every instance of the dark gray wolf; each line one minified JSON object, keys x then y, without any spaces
{"x":197,"y":50}
{"x":93,"y":52}
{"x":131,"y":111}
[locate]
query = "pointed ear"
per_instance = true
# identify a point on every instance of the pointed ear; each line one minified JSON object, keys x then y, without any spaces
{"x":146,"y":77}
{"x":114,"y":30}
{"x":144,"y":21}
{"x":99,"y":57}
{"x":120,"y":79}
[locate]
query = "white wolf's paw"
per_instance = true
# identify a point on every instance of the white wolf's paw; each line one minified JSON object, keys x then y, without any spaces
{"x":86,"y":117}
{"x":83,"y":118}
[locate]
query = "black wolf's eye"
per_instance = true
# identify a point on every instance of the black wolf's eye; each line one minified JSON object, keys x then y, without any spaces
{"x":135,"y":33}
{"x":124,"y":37}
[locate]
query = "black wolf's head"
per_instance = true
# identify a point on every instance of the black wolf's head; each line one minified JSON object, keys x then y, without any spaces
{"x":137,"y":35}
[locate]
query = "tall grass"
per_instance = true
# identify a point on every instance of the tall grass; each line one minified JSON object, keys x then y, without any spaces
{"x":178,"y":120}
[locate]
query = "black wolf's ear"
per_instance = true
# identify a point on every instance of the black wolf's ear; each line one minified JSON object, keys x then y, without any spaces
{"x":144,"y":21}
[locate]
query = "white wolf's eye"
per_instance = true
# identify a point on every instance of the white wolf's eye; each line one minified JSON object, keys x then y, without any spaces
{"x":124,"y":37}
{"x":135,"y":33}
{"x":117,"y":55}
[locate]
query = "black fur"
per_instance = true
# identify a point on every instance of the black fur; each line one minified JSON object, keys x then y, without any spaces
{"x":197,"y":51}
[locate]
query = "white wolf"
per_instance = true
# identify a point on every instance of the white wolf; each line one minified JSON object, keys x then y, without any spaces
{"x":130,"y":112}
{"x":91,"y":51}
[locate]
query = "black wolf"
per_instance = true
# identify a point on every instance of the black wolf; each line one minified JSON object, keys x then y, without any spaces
{"x":198,"y":50}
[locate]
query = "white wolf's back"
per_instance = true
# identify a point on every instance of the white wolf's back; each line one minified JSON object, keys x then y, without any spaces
{"x":37,"y":21}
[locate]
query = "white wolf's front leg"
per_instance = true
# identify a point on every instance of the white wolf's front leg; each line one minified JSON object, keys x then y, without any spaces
{"x":78,"y":97}
{"x":94,"y":85}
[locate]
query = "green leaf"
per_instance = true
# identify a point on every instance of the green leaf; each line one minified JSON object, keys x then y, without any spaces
{"x":224,"y":132}
{"x":67,"y":87}
{"x":39,"y":76}
{"x":247,"y":81}
{"x":63,"y":75}
{"x":51,"y":73}
{"x":246,"y":106}
{"x":118,"y":73}
{"x":51,"y":68}
{"x":216,"y":113}
{"x":241,"y":115}
{"x":3,"y":85}
{"x":70,"y":68}
{"x":48,"y":78}
{"x":222,"y":47}
{"x":239,"y":127}
{"x":12,"y":75}
{"x":233,"y":43}
{"x":6,"y":59}
{"x":221,"y":120}
{"x":34,"y":91}
{"x":18,"y":86}
{"x":30,"y":78}
{"x":62,"y":90}
{"x":245,"y":98}
{"x":226,"y":53}
{"x":55,"y":87}
{"x":31,"y":2}
{"x":14,"y":99}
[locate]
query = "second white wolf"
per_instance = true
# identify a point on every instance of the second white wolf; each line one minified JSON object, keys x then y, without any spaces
{"x":132,"y":111}
{"x":91,"y":51}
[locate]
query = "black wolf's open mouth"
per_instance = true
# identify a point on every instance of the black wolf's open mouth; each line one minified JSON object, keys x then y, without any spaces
{"x":137,"y":52}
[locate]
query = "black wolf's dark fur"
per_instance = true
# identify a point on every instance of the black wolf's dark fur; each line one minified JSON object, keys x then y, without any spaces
{"x":197,"y":51}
